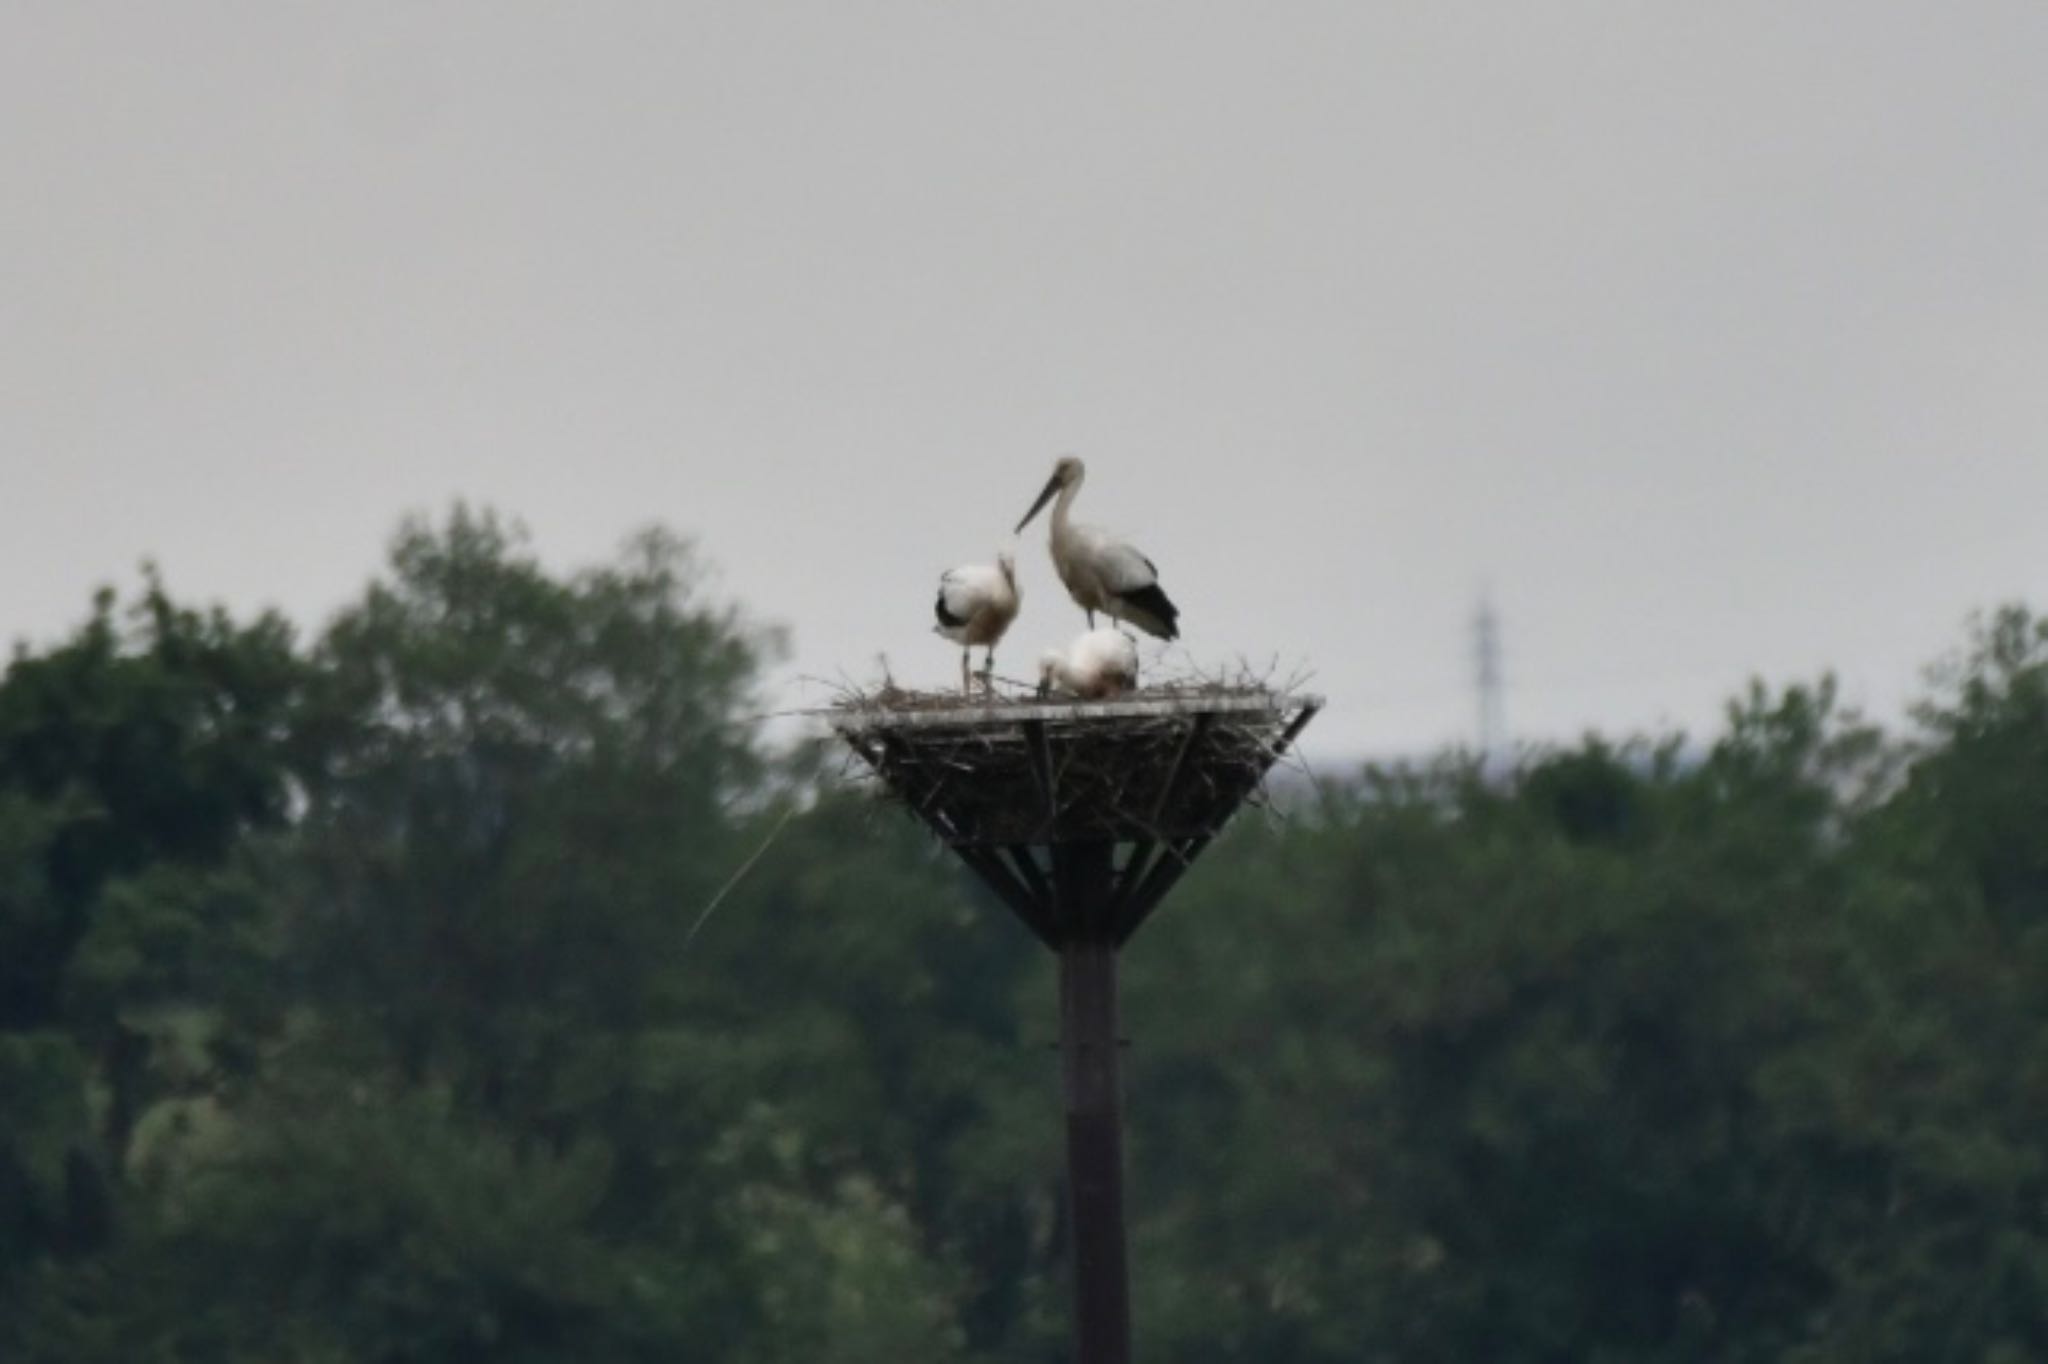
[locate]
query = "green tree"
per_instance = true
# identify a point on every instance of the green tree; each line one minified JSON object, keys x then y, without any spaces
{"x":886,"y":1026}
{"x":135,"y":756}
{"x":529,"y":784}
{"x":1927,"y":1110}
{"x":1479,"y":1074}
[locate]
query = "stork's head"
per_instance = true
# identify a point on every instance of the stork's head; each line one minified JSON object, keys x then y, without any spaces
{"x":1067,"y":473}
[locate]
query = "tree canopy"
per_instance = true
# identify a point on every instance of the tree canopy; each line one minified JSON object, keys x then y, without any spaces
{"x":349,"y":1011}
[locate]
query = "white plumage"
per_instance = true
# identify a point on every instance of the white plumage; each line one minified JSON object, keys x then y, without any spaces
{"x":1099,"y":664}
{"x":976,"y":604}
{"x":1101,"y":572}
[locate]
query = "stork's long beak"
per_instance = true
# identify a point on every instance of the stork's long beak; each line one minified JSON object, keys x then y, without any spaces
{"x":1052,"y":485}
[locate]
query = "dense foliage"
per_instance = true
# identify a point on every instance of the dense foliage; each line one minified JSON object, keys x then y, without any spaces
{"x":349,"y":1011}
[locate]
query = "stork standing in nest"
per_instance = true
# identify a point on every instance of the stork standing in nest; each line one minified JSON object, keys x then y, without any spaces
{"x":975,"y":607}
{"x":1101,"y":572}
{"x":1095,"y":666}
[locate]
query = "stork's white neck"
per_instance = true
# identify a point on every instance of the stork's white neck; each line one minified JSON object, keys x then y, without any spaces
{"x":1068,"y":491}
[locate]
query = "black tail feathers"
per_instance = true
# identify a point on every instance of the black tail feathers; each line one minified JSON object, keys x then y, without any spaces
{"x":1152,"y":611}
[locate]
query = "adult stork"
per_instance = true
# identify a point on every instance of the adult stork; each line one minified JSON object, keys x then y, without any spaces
{"x":975,"y":607}
{"x":1097,"y":665}
{"x":1101,"y":572}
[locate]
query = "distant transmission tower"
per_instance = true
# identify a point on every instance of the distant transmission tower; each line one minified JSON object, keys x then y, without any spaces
{"x":1493,"y":725}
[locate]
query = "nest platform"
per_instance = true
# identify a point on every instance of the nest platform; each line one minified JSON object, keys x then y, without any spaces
{"x":1081,"y":815}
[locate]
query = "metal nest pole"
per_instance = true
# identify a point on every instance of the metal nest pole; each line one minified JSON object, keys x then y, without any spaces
{"x":1080,"y":816}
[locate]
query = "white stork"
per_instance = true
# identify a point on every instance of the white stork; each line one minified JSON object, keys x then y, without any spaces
{"x":1102,"y":573}
{"x":975,"y":607}
{"x":1097,"y":665}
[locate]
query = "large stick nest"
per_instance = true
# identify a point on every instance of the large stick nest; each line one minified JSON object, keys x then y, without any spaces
{"x":1160,"y":765}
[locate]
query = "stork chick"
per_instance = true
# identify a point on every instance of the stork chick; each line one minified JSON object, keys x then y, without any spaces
{"x":1094,"y":666}
{"x":1102,"y":573}
{"x":976,"y":604}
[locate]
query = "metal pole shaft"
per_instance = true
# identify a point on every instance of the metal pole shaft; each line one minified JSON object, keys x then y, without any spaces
{"x":1095,"y":1172}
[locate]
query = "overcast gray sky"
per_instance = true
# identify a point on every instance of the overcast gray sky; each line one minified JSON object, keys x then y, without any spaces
{"x":1714,"y":337}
